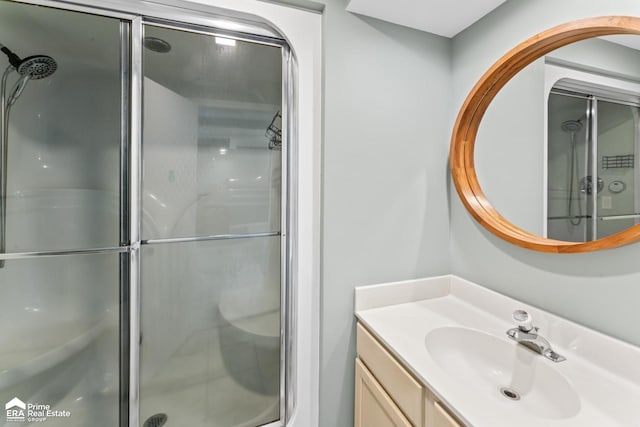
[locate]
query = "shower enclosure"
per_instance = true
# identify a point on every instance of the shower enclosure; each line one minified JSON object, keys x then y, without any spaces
{"x":145,"y":218}
{"x":593,"y":141}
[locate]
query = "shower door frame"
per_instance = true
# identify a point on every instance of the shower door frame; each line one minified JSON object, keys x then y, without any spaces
{"x":184,"y":16}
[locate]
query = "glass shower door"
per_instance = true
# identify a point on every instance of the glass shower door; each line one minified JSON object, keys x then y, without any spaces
{"x":60,"y":288}
{"x":568,"y":216}
{"x":618,"y":139}
{"x":211,"y":230}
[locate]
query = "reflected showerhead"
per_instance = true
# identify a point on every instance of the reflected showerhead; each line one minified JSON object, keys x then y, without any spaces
{"x":571,"y":126}
{"x":37,"y":67}
{"x":156,"y":44}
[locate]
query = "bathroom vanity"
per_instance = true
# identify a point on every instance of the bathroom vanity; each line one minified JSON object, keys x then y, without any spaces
{"x":436,"y":353}
{"x":388,"y":395}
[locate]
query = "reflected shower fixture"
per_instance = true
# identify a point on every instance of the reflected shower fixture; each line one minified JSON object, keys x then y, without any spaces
{"x":586,"y":185}
{"x":572,"y":127}
{"x":34,"y":67}
{"x":156,"y":44}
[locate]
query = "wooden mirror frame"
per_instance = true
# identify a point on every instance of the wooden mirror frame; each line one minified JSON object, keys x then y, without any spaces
{"x":468,"y":122}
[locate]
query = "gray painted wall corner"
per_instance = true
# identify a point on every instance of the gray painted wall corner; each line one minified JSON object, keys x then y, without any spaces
{"x":385,"y":209}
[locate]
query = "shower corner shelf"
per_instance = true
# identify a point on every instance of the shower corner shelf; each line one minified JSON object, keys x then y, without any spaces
{"x":618,"y":162}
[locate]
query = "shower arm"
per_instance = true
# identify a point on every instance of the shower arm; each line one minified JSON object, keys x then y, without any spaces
{"x":14,"y":59}
{"x":4,"y":138}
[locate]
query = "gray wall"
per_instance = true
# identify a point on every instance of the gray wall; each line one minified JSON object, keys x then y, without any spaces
{"x":387,"y":111}
{"x":600,"y":290}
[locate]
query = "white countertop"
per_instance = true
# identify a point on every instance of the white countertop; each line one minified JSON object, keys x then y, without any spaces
{"x":603,"y":372}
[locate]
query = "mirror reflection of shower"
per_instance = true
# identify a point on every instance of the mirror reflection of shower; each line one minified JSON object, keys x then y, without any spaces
{"x":31,"y":68}
{"x":572,"y":127}
{"x":593,"y":134}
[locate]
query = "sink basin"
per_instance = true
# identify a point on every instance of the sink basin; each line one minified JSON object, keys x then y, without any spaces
{"x":504,"y":370}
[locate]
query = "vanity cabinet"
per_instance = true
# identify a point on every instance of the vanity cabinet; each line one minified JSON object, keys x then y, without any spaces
{"x":374,"y":407}
{"x":387,"y":395}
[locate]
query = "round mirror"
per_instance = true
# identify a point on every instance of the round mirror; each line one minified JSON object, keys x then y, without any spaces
{"x":544,"y":150}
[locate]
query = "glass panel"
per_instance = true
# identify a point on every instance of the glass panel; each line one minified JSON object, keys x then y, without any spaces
{"x":59,"y":340}
{"x":210,"y":352}
{"x":208,"y":103}
{"x":567,"y":217}
{"x":63,"y":129}
{"x":618,"y":131}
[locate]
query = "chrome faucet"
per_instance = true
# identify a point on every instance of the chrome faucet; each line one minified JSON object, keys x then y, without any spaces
{"x":527,"y":335}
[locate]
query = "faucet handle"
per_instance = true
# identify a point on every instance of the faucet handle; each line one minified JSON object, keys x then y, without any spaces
{"x":524,"y":320}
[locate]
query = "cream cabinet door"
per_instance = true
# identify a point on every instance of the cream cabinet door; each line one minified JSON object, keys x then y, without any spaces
{"x":441,"y":417}
{"x":406,"y":392}
{"x":373,"y":406}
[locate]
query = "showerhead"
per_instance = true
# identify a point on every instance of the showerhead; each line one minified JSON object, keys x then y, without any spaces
{"x":37,"y":67}
{"x":32,"y":68}
{"x":571,"y":126}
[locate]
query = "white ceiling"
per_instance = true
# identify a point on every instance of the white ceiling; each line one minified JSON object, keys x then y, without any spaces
{"x":631,"y":41}
{"x":443,"y":17}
